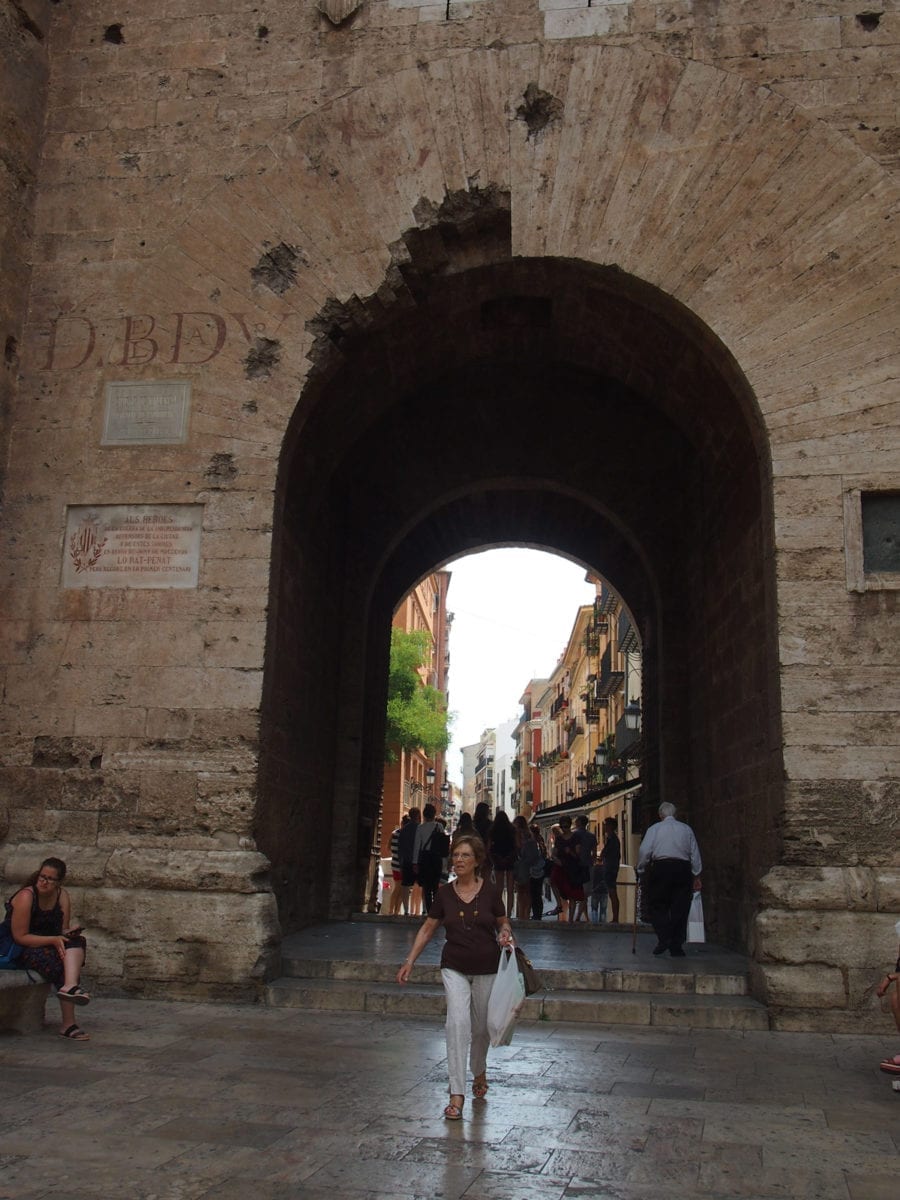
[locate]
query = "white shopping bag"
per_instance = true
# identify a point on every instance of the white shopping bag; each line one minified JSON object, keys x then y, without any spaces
{"x":696,"y":931}
{"x":506,"y":1000}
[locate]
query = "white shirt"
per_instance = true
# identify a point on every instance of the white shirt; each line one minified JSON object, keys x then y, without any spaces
{"x":669,"y":838}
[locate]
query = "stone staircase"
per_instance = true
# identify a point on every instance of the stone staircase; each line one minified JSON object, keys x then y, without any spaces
{"x":589,"y":974}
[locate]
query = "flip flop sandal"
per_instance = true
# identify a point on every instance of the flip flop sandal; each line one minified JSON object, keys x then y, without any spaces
{"x":76,"y":994}
{"x":890,"y":1067}
{"x":453,"y":1112}
{"x":75,"y":1034}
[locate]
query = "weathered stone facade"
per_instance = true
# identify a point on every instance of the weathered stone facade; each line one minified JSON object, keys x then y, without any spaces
{"x":649,"y":248}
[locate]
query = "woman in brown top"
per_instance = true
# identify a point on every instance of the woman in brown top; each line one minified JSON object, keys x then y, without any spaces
{"x":476,"y":926}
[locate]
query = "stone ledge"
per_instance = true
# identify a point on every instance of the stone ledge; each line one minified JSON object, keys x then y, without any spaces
{"x":22,"y":1001}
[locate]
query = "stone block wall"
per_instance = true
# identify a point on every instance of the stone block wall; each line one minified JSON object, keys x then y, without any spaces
{"x":223,"y":198}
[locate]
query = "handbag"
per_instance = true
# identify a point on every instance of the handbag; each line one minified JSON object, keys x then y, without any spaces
{"x":9,"y":948}
{"x":530,"y":978}
{"x":506,"y":1000}
{"x":696,"y":931}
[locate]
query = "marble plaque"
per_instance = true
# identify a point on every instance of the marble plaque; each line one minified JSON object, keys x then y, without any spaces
{"x":146,"y":414}
{"x":132,"y":546}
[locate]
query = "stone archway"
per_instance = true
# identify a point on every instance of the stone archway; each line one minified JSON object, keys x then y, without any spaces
{"x":566,"y":407}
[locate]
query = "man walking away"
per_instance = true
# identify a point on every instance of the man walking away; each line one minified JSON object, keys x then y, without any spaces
{"x":669,"y":865}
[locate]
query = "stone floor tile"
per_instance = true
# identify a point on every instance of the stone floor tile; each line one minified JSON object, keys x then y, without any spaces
{"x":654,"y":1089}
{"x":442,"y":1182}
{"x":867,"y":1186}
{"x":789,"y":1184}
{"x":506,"y":1185}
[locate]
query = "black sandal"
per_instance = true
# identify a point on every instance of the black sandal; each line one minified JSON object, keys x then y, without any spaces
{"x":75,"y":993}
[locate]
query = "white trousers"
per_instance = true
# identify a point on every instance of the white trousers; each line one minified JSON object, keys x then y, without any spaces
{"x":467,"y":1005}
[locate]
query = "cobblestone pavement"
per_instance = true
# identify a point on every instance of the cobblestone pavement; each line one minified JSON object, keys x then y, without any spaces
{"x":176,"y":1101}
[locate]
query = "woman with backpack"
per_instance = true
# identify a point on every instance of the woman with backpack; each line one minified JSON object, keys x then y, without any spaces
{"x":430,"y":849}
{"x":39,"y":919}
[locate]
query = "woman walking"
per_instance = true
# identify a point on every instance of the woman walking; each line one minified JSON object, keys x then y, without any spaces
{"x":476,"y":926}
{"x":502,"y":855}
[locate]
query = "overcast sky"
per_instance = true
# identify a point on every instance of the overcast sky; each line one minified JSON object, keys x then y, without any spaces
{"x":513,"y":613}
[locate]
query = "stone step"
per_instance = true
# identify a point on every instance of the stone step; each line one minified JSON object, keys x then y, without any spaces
{"x":611,"y":979}
{"x":422,"y":998}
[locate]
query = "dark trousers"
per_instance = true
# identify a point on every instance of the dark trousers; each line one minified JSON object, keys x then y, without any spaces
{"x":669,"y":885}
{"x":537,"y":898}
{"x":429,"y":883}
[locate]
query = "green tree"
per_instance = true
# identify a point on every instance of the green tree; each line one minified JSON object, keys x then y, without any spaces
{"x":417,"y":717}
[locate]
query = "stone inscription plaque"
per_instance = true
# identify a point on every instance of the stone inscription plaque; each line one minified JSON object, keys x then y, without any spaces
{"x":146,"y":414}
{"x":132,"y":546}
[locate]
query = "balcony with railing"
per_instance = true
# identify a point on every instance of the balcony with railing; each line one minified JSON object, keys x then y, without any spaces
{"x":610,"y":679}
{"x":629,"y":642}
{"x":559,"y":705}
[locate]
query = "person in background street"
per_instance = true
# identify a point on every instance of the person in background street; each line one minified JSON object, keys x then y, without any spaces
{"x":890,"y":987}
{"x":566,"y":878}
{"x":502,"y":857}
{"x":40,"y":921}
{"x":476,"y":927}
{"x":397,"y":898}
{"x":611,"y":858}
{"x":465,"y":825}
{"x":669,"y":865}
{"x":482,"y":821}
{"x":553,"y":876}
{"x":586,"y":846}
{"x":599,"y":894}
{"x":427,"y":859}
{"x":405,"y":844}
{"x":445,"y":861}
{"x":528,"y":872}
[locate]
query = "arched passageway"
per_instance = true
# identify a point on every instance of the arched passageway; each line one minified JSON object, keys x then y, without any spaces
{"x":536,"y":402}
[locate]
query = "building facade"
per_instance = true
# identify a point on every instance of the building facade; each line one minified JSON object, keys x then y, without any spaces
{"x":251,"y":265}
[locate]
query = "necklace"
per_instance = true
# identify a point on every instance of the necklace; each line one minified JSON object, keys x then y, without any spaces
{"x":462,"y":914}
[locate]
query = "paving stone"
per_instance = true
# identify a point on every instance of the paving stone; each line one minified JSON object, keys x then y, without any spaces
{"x":351,"y":1108}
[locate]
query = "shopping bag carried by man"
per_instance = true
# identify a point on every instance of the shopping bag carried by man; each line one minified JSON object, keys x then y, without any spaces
{"x":506,"y":1000}
{"x":696,"y":931}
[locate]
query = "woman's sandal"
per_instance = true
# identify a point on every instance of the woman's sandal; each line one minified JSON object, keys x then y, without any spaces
{"x":75,"y":1034}
{"x":891,"y":1066}
{"x":76,"y":994}
{"x":453,"y":1112}
{"x":480,"y":1090}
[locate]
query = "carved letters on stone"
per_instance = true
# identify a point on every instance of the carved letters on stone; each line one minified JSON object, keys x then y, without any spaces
{"x":146,"y":414}
{"x":132,"y":546}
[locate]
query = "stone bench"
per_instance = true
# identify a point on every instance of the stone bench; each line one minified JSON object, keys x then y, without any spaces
{"x":23,"y":995}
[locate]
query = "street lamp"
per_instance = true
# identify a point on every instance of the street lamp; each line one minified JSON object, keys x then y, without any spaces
{"x":581,"y":780}
{"x":632,"y":715}
{"x":445,"y":797}
{"x":601,"y":755}
{"x":430,"y":776}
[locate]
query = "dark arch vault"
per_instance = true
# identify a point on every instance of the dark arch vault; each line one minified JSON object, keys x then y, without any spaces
{"x":486,"y":400}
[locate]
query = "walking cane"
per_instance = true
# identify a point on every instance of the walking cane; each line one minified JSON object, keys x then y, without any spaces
{"x":637,"y":909}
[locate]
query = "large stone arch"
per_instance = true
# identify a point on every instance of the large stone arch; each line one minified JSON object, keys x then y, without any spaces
{"x":758,"y":237}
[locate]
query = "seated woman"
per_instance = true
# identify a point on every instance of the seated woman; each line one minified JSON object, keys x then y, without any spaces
{"x":40,"y":918}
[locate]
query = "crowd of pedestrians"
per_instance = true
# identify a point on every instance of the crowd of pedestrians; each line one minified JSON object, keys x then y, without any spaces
{"x":569,"y":869}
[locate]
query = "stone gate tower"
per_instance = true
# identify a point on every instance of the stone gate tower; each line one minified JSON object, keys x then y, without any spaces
{"x":255,"y":257}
